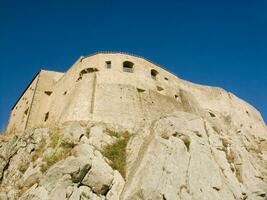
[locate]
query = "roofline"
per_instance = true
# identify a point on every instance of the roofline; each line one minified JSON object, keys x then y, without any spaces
{"x":31,"y":83}
{"x":37,"y":74}
{"x":130,"y":54}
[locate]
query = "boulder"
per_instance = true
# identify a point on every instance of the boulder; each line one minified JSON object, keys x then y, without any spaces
{"x":100,"y":177}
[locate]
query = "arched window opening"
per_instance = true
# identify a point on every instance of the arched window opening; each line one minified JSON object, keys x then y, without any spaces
{"x":128,"y":66}
{"x":86,"y":71}
{"x":108,"y":64}
{"x":154,"y":73}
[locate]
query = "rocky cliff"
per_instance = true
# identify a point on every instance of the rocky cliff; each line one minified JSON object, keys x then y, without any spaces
{"x":194,"y":153}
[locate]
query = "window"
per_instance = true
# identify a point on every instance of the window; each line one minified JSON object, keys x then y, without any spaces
{"x":48,"y":92}
{"x":140,"y":90}
{"x":108,"y":64}
{"x":26,"y":111}
{"x":128,"y":66}
{"x":46,"y":116}
{"x":159,"y":88}
{"x":86,"y":71}
{"x":154,"y":73}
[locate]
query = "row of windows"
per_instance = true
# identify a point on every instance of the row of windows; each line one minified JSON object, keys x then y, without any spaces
{"x":128,"y":67}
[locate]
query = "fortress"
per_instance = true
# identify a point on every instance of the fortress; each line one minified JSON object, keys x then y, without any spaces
{"x":116,"y":88}
{"x":184,"y":141}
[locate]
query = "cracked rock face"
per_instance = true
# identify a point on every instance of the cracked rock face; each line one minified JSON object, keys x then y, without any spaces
{"x":186,"y":158}
{"x":194,"y":153}
{"x":64,"y":167}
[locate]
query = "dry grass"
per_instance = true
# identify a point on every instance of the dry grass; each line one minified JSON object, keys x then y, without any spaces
{"x":39,"y":151}
{"x":48,"y":161}
{"x":116,"y":152}
{"x":63,"y":150}
{"x":112,"y":133}
{"x":23,"y":166}
{"x":54,"y":137}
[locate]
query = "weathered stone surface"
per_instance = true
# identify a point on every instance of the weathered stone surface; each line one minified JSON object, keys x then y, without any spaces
{"x":213,"y":146}
{"x":73,"y":133}
{"x":116,"y":187}
{"x":98,"y":138}
{"x":185,"y":158}
{"x":100,"y":176}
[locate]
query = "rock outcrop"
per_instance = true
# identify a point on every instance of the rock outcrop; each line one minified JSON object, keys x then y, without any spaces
{"x":195,"y":153}
{"x":58,"y":164}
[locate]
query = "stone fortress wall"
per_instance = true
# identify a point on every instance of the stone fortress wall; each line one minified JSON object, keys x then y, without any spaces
{"x":118,"y":88}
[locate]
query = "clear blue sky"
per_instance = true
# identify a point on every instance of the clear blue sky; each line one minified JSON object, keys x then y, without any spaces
{"x":218,"y":43}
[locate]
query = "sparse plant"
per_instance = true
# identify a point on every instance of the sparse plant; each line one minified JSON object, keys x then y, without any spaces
{"x":23,"y":166}
{"x":112,"y":133}
{"x":67,"y":144}
{"x":63,"y":152}
{"x":116,"y":152}
{"x":186,"y":140}
{"x":39,"y":151}
{"x":54,"y":137}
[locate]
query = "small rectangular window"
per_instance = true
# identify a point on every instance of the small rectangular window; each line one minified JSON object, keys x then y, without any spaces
{"x":108,"y":64}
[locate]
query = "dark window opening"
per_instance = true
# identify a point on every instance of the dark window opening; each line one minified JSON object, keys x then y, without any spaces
{"x":212,"y":115}
{"x":108,"y":64}
{"x":154,"y":73}
{"x":166,"y":78}
{"x":140,"y":90}
{"x":176,"y":96}
{"x":46,"y":116}
{"x":26,"y":111}
{"x":128,"y":66}
{"x":65,"y":93}
{"x":86,"y":71}
{"x":48,"y":92}
{"x":159,"y":88}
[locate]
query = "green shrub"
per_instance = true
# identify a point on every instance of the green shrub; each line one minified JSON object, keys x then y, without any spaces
{"x":116,"y":152}
{"x":62,"y":153}
{"x":23,"y":166}
{"x":112,"y":133}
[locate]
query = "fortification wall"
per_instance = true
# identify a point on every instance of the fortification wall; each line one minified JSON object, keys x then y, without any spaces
{"x":41,"y":99}
{"x":20,"y":112}
{"x":111,"y":94}
{"x":28,"y":110}
{"x":102,"y":88}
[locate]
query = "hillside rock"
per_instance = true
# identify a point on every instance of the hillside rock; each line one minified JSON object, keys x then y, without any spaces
{"x":65,"y":166}
{"x":195,"y":153}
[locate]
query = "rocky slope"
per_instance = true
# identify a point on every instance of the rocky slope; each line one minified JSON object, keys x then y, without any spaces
{"x":192,"y":154}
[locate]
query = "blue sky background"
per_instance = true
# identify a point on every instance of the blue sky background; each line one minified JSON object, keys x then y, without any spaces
{"x":218,"y":43}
